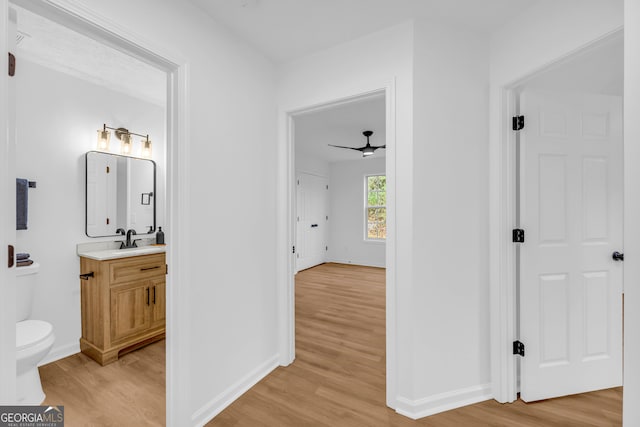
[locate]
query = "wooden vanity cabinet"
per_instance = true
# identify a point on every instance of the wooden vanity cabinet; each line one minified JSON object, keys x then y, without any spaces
{"x":123,"y":305}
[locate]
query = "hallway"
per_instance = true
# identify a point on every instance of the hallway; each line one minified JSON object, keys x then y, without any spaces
{"x":338,"y":377}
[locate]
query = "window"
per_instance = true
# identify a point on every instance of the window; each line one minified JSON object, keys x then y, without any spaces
{"x":376,"y":207}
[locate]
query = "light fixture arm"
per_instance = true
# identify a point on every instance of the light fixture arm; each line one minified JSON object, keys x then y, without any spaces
{"x":124,"y":131}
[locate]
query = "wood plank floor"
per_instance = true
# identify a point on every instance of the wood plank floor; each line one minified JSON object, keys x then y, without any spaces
{"x":128,"y":392}
{"x":338,"y":377}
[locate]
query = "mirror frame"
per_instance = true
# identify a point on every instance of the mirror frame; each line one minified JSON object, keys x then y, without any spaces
{"x":86,"y":192}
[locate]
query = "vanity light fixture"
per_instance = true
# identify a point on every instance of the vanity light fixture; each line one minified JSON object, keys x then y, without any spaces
{"x":126,"y":142}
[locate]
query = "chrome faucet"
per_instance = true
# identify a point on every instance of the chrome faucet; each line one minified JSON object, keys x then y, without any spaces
{"x":129,"y":244}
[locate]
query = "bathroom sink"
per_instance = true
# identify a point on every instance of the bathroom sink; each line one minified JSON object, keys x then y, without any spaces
{"x":101,"y":255}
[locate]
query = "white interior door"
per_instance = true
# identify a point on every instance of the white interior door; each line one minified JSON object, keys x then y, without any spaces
{"x":571,"y":211}
{"x":312,"y":218}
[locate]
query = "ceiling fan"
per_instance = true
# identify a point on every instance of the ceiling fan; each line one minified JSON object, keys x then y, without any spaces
{"x":367,"y":150}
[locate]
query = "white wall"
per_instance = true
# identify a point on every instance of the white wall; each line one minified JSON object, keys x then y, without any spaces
{"x":227,"y":315}
{"x":57,"y":119}
{"x":547,"y":31}
{"x":631,"y":409}
{"x":347,"y":216}
{"x":376,"y":61}
{"x":310,"y":164}
{"x":449,"y":302}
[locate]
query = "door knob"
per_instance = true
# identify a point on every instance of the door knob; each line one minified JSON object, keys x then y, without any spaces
{"x":617,"y":256}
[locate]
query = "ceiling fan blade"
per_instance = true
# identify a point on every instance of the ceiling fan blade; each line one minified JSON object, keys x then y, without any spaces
{"x":350,"y":148}
{"x":379,"y":146}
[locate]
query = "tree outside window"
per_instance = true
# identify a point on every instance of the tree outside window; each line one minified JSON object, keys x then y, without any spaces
{"x":376,"y":207}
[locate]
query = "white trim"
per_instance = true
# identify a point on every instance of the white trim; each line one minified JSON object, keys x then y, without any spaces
{"x":79,"y":17}
{"x":299,"y":171}
{"x":437,"y":403}
{"x":7,"y":223}
{"x":286,"y":223}
{"x":502,"y":216}
{"x":60,"y":352}
{"x":216,"y":405}
{"x":503,"y":256}
{"x":361,"y":264}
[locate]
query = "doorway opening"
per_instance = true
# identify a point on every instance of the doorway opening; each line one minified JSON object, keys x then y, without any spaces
{"x":169,"y":126}
{"x":340,"y":206}
{"x":567,"y":290}
{"x":349,"y":226}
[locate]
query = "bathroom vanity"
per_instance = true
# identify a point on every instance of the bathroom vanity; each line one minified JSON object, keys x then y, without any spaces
{"x":123,"y":301}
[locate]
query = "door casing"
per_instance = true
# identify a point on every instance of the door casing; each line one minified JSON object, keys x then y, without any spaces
{"x":287,"y":208}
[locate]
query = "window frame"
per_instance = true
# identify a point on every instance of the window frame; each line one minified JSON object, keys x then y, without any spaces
{"x":366,"y":207}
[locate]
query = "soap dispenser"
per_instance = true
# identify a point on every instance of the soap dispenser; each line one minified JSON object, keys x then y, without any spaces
{"x":160,"y":236}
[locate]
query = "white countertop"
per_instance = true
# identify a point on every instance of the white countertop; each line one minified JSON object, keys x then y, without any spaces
{"x":99,"y":253}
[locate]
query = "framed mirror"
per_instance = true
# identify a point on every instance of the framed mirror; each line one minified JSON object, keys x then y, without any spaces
{"x":120,"y":194}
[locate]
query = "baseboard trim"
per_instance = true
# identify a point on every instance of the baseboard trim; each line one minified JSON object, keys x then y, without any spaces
{"x":431,"y":405}
{"x":356,"y":263}
{"x":216,"y":405}
{"x":61,"y":352}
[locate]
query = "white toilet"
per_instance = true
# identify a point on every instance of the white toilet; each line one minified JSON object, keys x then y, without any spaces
{"x":34,"y":338}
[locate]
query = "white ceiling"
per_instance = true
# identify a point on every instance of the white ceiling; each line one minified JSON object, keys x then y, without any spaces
{"x":599,"y":70}
{"x":288,"y":29}
{"x":59,"y":48}
{"x":341,"y":125}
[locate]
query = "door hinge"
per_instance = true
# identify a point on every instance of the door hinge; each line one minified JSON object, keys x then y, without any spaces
{"x":108,"y":170}
{"x":518,"y":348}
{"x":327,"y":187}
{"x":326,"y":248}
{"x":518,"y":235}
{"x":107,"y":221}
{"x":326,"y":218}
{"x":517,"y":123}
{"x":10,"y":253}
{"x":12,"y":64}
{"x":293,"y":249}
{"x":298,"y":182}
{"x":166,"y":269}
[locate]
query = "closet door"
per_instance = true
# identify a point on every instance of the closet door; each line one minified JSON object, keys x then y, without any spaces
{"x":312,"y":212}
{"x":571,"y":210}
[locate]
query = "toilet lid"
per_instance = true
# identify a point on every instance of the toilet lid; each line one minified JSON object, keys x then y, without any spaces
{"x":30,"y":332}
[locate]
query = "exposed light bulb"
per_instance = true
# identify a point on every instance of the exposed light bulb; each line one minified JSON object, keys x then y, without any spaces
{"x":146,"y":148}
{"x":125,"y":145}
{"x":103,"y":140}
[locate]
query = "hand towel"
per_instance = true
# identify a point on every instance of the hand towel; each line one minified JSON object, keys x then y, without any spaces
{"x":25,"y":263}
{"x":22,"y":256}
{"x":22,"y":203}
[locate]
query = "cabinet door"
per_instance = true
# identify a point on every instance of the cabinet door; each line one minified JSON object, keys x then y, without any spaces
{"x":130,"y":304}
{"x":158,"y":302}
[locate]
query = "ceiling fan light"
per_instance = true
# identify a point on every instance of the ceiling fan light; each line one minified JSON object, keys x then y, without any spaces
{"x":368,"y":151}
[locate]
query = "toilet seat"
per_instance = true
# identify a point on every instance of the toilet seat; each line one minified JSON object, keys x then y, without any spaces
{"x":30,"y":333}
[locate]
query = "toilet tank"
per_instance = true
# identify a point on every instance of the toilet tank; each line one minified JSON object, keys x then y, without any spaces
{"x":26,"y":279}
